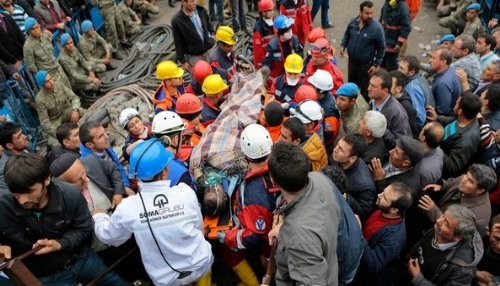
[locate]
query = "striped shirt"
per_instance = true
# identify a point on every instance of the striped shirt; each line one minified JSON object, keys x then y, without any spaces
{"x":18,"y":14}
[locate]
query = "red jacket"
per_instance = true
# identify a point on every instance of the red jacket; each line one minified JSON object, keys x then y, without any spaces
{"x":301,"y":13}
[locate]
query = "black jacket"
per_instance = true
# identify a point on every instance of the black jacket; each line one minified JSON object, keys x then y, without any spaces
{"x":186,"y":39}
{"x":11,"y":41}
{"x":66,"y":218}
{"x":105,"y":175}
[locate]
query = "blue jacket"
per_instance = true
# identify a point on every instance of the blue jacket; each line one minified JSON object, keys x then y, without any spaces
{"x":282,"y":91}
{"x":86,"y":151}
{"x":361,"y":191}
{"x":365,"y":46}
{"x":179,"y":174}
{"x":420,"y":94}
{"x":381,"y":254}
{"x":446,"y":89}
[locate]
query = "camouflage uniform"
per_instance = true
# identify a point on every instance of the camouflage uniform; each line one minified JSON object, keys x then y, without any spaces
{"x":39,"y":55}
{"x":143,"y":7}
{"x":77,"y":69}
{"x":128,"y":15}
{"x":94,"y":48}
{"x":112,"y":21}
{"x":55,"y":108}
{"x":456,"y":21}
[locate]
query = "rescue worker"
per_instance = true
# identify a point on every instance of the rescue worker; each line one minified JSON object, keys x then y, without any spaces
{"x":305,"y":92}
{"x":189,"y":107}
{"x":178,"y":236}
{"x":282,"y":45}
{"x":201,"y":70}
{"x":263,"y":31}
{"x":39,"y":53}
{"x":284,"y":86}
{"x":310,"y":114}
{"x":131,"y":22}
{"x":138,"y":131}
{"x":113,"y":22}
{"x":300,"y":12}
{"x":167,"y":127}
{"x":320,"y":52}
{"x":253,"y":206}
{"x":222,"y":59}
{"x":171,"y":86}
{"x":213,"y":88}
{"x":323,"y":82}
{"x":55,"y":104}
{"x":81,"y":73}
{"x":94,"y":48}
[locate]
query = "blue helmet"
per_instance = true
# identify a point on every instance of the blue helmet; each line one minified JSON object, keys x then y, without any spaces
{"x":282,"y":22}
{"x":29,"y":23}
{"x":40,"y":77}
{"x":148,"y":159}
{"x":86,"y":26}
{"x":65,"y":38}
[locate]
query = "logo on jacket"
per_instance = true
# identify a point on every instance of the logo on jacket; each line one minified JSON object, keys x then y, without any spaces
{"x":160,"y":201}
{"x":260,"y":224}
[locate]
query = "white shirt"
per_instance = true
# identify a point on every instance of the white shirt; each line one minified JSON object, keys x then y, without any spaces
{"x":177,"y":224}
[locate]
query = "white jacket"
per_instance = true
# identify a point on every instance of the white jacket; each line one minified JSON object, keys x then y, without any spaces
{"x":176,"y":220}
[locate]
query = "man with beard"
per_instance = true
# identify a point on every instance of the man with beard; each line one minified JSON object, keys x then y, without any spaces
{"x":364,"y":41}
{"x":385,"y":236}
{"x":13,"y":142}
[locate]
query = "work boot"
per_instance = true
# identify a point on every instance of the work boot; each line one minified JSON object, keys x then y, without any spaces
{"x":117,"y":56}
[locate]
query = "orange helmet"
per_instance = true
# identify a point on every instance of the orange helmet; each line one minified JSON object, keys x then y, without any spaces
{"x":266,"y":5}
{"x":188,"y":103}
{"x":315,"y":34}
{"x":305,"y":92}
{"x":320,"y":47}
{"x":201,"y":70}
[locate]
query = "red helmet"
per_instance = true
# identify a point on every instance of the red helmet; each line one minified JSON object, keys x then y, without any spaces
{"x":304,"y":92}
{"x":266,"y":5}
{"x":315,"y":34}
{"x":188,"y":103}
{"x":201,"y":70}
{"x":320,"y":47}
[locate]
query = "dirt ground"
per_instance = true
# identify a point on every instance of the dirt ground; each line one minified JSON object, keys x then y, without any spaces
{"x":425,"y":26}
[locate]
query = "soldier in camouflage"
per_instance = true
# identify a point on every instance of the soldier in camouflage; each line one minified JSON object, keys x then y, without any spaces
{"x":94,"y":48}
{"x":81,"y":73}
{"x":131,"y":21}
{"x":113,"y":22}
{"x":55,"y":104}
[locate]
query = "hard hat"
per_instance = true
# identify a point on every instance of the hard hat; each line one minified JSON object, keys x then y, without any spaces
{"x":29,"y":23}
{"x":282,"y":22}
{"x":126,"y":115}
{"x":148,"y":159}
{"x":348,"y":89}
{"x":167,"y":122}
{"x":226,"y":35}
{"x":315,"y":34}
{"x":320,"y":47}
{"x":201,"y":70}
{"x":255,"y":141}
{"x":305,"y":92}
{"x":307,"y":111}
{"x":322,"y":80}
{"x":86,"y":26}
{"x":294,"y":63}
{"x":40,"y":77}
{"x":213,"y":84}
{"x":188,"y":103}
{"x":266,"y":5}
{"x":65,"y":38}
{"x":168,"y":69}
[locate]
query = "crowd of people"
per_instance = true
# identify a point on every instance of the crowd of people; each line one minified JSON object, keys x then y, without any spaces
{"x":386,"y":176}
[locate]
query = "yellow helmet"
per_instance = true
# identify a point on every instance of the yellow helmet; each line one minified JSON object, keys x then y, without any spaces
{"x":226,"y":35}
{"x":168,"y":69}
{"x":213,"y":84}
{"x":294,"y":63}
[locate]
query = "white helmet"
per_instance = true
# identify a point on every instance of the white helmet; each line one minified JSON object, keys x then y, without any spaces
{"x":255,"y":141}
{"x":126,"y":115}
{"x":167,"y":122}
{"x":308,"y":111}
{"x":322,"y":80}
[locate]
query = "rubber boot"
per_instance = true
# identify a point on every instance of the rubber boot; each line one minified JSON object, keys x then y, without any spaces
{"x":246,"y":274}
{"x":205,"y":280}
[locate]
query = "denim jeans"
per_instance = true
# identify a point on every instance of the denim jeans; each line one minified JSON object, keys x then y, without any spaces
{"x":325,"y":6}
{"x":86,"y":267}
{"x":216,"y":4}
{"x":238,"y":13}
